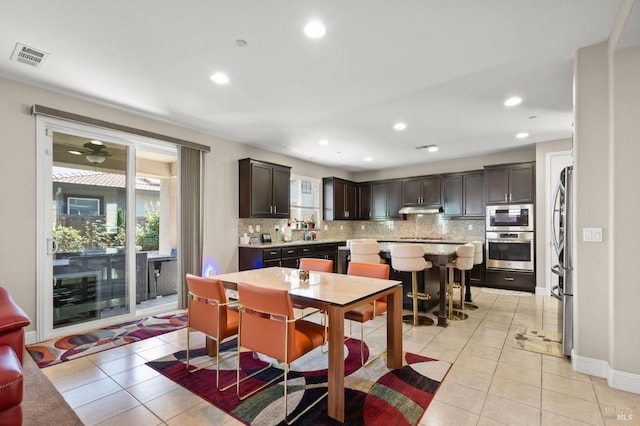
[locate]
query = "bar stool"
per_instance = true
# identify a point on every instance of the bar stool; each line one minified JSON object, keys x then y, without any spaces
{"x":477,"y":260}
{"x":365,"y":252}
{"x":410,"y":258}
{"x":463,"y":262}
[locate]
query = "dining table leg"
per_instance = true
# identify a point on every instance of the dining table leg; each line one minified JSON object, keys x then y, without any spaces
{"x":394,"y":328}
{"x":336,"y":363}
{"x":442,"y":311}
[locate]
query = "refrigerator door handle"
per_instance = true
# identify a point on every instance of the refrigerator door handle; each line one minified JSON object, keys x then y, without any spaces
{"x":557,"y":292}
{"x":556,"y":211}
{"x":556,"y":270}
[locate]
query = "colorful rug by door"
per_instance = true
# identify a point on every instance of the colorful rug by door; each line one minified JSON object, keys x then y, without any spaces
{"x":374,"y":395}
{"x":66,"y":348}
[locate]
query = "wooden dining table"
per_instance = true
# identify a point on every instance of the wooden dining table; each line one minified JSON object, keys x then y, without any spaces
{"x":336,"y":294}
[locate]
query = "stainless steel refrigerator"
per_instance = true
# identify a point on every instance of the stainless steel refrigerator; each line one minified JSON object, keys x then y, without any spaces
{"x":563,"y":244}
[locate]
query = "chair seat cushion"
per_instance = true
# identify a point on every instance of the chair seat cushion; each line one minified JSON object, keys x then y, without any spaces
{"x":232,"y":324}
{"x":309,"y":335}
{"x":11,"y":381}
{"x":362,"y":313}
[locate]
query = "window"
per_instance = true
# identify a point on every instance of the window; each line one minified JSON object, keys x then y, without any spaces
{"x":83,"y":206}
{"x":305,"y":199}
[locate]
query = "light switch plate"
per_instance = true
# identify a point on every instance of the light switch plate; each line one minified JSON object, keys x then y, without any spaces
{"x":592,"y":235}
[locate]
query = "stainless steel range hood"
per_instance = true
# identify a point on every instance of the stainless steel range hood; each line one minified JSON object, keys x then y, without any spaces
{"x":427,"y":209}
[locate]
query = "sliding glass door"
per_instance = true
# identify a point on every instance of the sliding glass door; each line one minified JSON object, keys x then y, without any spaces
{"x":107,"y":214}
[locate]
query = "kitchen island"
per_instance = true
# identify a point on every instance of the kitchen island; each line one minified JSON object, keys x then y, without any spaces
{"x":437,"y":253}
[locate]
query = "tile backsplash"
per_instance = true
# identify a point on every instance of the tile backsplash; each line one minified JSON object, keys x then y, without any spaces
{"x":425,"y":226}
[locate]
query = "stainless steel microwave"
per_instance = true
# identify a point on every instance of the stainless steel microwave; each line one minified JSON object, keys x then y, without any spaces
{"x":510,"y":217}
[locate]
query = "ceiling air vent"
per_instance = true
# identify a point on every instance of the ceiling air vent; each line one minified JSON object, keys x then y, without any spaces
{"x":29,"y":55}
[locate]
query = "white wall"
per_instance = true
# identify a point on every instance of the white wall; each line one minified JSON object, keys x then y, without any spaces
{"x":625,"y":232}
{"x":607,"y":108}
{"x":450,"y":166}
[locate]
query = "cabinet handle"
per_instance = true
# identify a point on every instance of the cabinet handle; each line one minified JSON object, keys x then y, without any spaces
{"x":509,"y":279}
{"x":510,"y":197}
{"x":270,"y":209}
{"x":505,"y":196}
{"x":275,"y":209}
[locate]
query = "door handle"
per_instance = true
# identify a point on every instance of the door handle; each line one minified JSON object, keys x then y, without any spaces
{"x":52,"y":246}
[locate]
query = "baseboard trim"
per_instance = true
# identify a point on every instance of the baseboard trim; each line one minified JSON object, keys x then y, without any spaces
{"x":542,"y":291}
{"x":617,"y":379}
{"x":30,"y":337}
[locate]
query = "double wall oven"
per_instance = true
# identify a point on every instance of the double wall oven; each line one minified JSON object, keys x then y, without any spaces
{"x":510,"y":237}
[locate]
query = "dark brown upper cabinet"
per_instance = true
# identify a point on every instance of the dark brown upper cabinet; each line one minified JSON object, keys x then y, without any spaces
{"x":364,"y":201}
{"x":264,"y":189}
{"x":386,"y":199}
{"x":340,"y":198}
{"x":510,"y":183}
{"x":421,"y":191}
{"x":463,"y":195}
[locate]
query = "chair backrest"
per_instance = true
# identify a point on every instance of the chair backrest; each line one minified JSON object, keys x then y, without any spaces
{"x":359,"y":240}
{"x":465,"y":256}
{"x":316,"y":265}
{"x":203,"y":314}
{"x":365,"y":252}
{"x":477,"y":254}
{"x":408,"y":257}
{"x":262,"y":323}
{"x":371,"y":270}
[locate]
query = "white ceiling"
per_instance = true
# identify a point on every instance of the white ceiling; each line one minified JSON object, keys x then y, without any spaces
{"x":443,"y":67}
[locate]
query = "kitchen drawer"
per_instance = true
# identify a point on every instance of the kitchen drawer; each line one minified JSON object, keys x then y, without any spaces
{"x":523,"y":281}
{"x":289,"y":252}
{"x":325,"y":248}
{"x":306,"y":251}
{"x":270,"y":254}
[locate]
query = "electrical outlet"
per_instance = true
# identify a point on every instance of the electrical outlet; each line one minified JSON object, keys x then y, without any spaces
{"x":362,"y":227}
{"x":592,"y":235}
{"x":470,"y":227}
{"x":257,"y":228}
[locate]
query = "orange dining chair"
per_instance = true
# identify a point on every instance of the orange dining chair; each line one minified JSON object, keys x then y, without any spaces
{"x":368,"y":311}
{"x":268,"y":326}
{"x":317,"y":265}
{"x":209,"y":313}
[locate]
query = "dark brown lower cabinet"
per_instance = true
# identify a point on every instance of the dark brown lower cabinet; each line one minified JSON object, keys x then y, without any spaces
{"x":286,"y":257}
{"x":510,"y":280}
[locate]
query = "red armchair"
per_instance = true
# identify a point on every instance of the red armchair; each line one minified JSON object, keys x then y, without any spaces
{"x":12,"y":321}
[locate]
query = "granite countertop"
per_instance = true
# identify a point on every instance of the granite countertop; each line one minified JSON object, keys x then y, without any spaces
{"x":290,"y":243}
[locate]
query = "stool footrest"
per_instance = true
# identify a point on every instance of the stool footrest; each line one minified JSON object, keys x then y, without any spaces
{"x":419,"y":296}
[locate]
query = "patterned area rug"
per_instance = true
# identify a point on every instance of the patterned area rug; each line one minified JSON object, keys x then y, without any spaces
{"x":539,"y":341}
{"x":75,"y":346}
{"x":374,"y":395}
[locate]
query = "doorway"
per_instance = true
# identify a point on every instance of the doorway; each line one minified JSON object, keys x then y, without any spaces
{"x":107,"y":208}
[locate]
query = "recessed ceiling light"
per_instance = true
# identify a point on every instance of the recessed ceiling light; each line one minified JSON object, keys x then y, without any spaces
{"x":75,"y":152}
{"x":513,"y":101}
{"x":522,"y":135}
{"x":400,"y":126}
{"x":220,"y":78}
{"x":241,"y":43}
{"x":323,"y":142}
{"x":314,"y":29}
{"x":95,"y":142}
{"x":368,"y":158}
{"x":432,"y":148}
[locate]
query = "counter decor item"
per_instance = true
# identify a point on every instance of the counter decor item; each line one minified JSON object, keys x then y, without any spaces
{"x":303,"y":275}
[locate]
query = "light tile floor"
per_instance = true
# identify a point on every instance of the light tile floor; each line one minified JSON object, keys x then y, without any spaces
{"x":490,"y":382}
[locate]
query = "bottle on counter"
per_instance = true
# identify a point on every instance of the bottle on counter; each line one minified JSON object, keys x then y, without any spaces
{"x":286,"y":232}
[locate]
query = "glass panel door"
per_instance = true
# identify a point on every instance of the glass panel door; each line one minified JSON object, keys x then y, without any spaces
{"x":89,"y":230}
{"x":107,"y":214}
